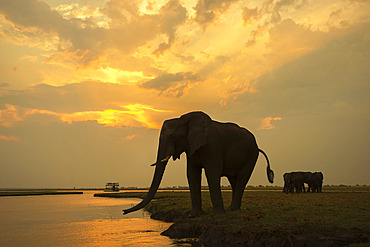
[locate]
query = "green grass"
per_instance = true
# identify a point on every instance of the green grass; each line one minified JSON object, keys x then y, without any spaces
{"x":309,"y":212}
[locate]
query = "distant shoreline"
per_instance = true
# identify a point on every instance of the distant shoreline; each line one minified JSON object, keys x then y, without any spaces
{"x":36,"y":193}
{"x":61,"y":191}
{"x":179,"y":188}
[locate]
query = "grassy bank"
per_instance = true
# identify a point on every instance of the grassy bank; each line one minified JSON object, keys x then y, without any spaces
{"x":36,"y":192}
{"x":338,"y":217}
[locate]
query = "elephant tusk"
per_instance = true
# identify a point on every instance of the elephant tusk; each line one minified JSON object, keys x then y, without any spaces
{"x":164,"y":160}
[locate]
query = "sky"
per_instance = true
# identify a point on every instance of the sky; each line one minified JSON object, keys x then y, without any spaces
{"x":86,"y":85}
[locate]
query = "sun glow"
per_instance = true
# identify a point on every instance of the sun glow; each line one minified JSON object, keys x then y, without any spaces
{"x":134,"y":115}
{"x":113,"y":75}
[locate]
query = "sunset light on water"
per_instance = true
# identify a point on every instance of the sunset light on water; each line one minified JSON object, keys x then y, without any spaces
{"x":76,"y":220}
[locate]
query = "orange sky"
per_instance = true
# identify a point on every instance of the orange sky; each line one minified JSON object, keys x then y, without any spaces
{"x":86,"y":85}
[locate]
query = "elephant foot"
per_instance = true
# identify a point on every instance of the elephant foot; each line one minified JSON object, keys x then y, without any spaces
{"x":195,"y":213}
{"x":218,"y":211}
{"x":233,"y":208}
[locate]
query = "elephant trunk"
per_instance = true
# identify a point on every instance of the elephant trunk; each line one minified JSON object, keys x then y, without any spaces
{"x":157,"y":178}
{"x":165,"y":151}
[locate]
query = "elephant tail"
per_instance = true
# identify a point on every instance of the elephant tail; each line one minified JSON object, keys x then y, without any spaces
{"x":270,"y":173}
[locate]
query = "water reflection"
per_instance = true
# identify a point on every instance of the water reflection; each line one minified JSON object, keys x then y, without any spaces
{"x":76,"y":220}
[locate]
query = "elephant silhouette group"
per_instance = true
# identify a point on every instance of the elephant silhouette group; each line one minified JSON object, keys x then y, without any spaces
{"x":220,"y":150}
{"x":294,"y":181}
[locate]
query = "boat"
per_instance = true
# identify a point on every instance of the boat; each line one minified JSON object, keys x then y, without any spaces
{"x":111,"y":187}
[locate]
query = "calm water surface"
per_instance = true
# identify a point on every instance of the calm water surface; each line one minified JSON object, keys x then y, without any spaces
{"x":77,"y":220}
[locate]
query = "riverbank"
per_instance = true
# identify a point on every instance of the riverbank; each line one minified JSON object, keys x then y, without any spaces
{"x":339,"y":218}
{"x":36,"y":192}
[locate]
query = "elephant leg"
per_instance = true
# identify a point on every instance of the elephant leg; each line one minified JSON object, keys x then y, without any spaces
{"x":239,"y":190}
{"x":241,"y":181}
{"x":299,"y":188}
{"x":286,"y":187}
{"x":194,"y":174}
{"x":214,"y":180}
{"x":232,"y":180}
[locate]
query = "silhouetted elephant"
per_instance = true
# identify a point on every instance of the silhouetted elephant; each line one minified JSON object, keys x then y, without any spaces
{"x":293,"y":180}
{"x":287,"y":184}
{"x":306,"y":179}
{"x":221,"y":149}
{"x":315,"y":182}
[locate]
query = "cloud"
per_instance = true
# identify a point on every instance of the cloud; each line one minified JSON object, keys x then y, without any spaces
{"x":270,"y":11}
{"x":266,"y":16}
{"x":122,"y":27}
{"x":9,"y":116}
{"x":130,"y":137}
{"x":85,"y":12}
{"x":32,"y":14}
{"x":76,"y":97}
{"x":266,"y":123}
{"x":172,"y":15}
{"x":289,"y":41}
{"x":8,"y":138}
{"x":134,"y":115}
{"x":4,"y":84}
{"x":35,"y":17}
{"x":317,"y":81}
{"x":269,"y":47}
{"x":131,"y":116}
{"x":249,"y":15}
{"x":208,"y":10}
{"x":172,"y":84}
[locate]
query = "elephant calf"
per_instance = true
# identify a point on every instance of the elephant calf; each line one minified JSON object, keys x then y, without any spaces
{"x":221,"y":149}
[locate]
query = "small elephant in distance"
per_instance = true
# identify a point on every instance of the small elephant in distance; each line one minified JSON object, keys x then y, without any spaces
{"x":296,"y":180}
{"x":306,"y":179}
{"x":315,"y":182}
{"x":221,"y":149}
{"x":293,"y":181}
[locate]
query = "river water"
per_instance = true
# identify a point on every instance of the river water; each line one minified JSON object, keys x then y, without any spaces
{"x":77,"y":220}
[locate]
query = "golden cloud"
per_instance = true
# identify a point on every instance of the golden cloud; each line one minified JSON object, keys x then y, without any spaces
{"x":8,"y":138}
{"x":85,"y":12}
{"x":130,"y":137}
{"x":266,"y":123}
{"x":9,"y":116}
{"x":132,"y":115}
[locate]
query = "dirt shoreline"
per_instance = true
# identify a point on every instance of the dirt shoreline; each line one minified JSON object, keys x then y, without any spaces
{"x":218,"y":233}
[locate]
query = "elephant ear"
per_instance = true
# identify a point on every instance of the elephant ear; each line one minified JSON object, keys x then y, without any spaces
{"x":197,"y":129}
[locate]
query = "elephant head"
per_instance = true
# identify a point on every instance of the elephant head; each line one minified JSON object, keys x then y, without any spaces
{"x":185,"y":134}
